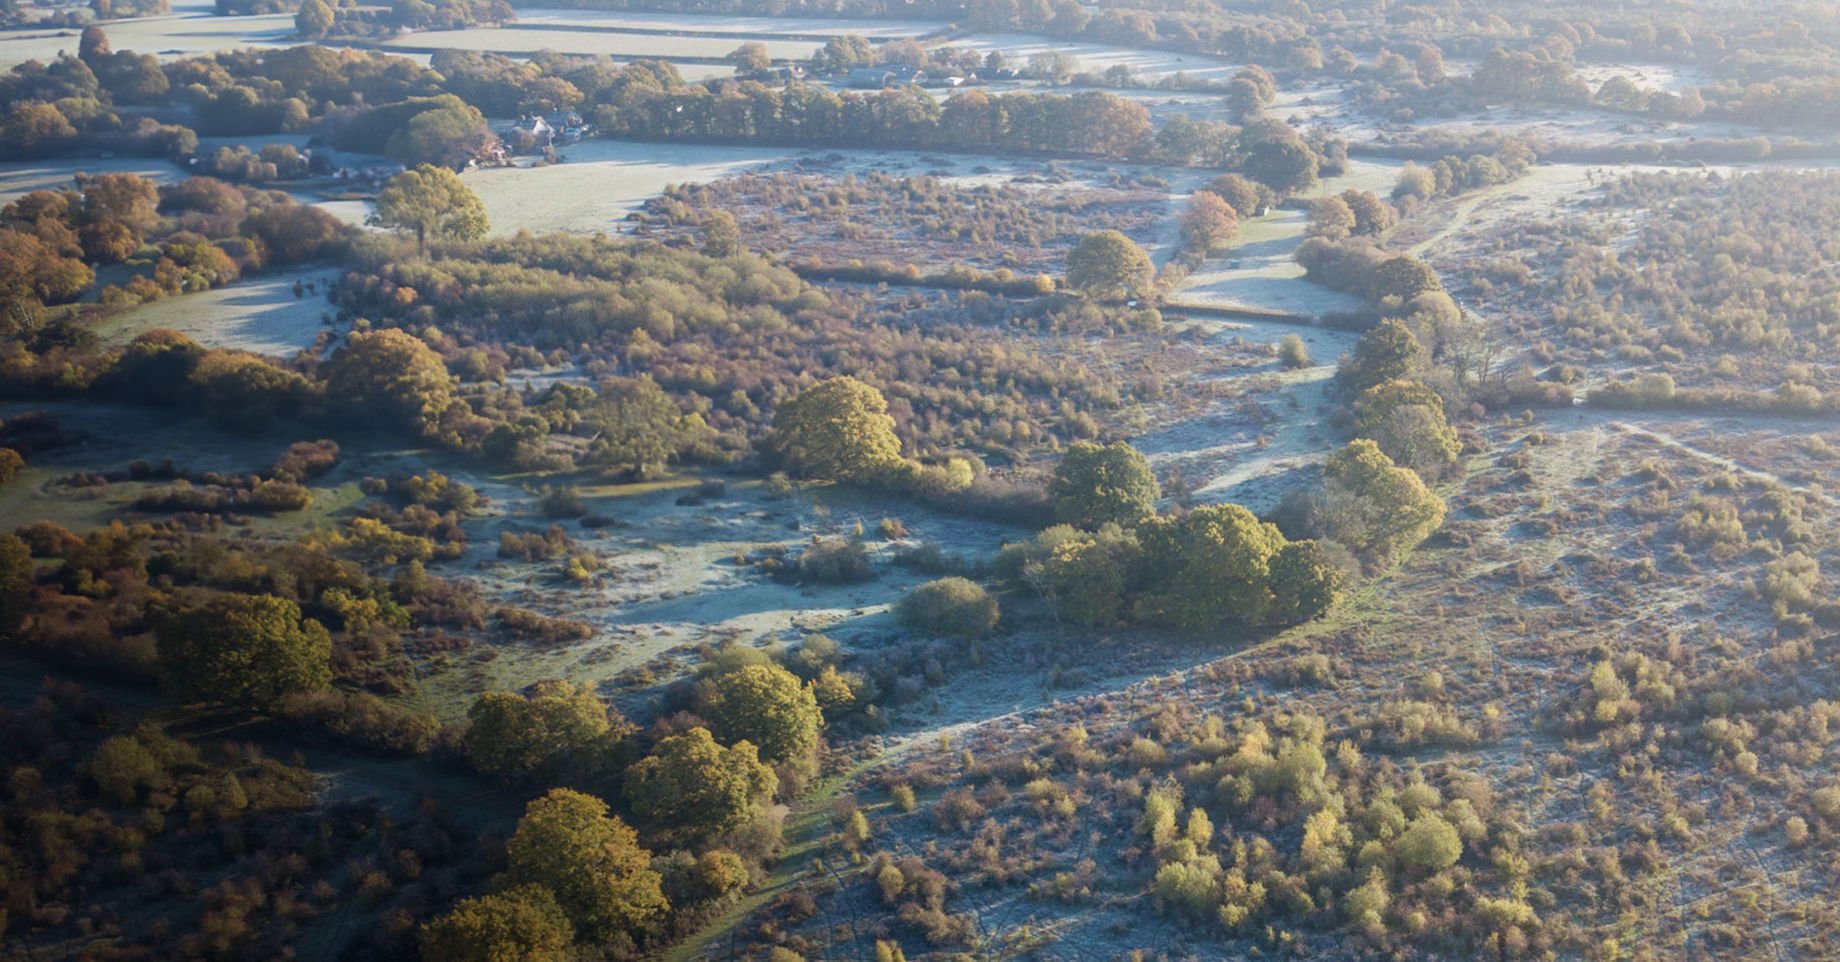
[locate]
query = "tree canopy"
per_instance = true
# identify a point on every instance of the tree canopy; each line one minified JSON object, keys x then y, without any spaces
{"x":591,"y":862}
{"x":521,"y":924}
{"x":695,"y":787}
{"x":242,"y":650}
{"x":513,"y":736}
{"x":839,"y":429}
{"x":1096,"y":485}
{"x":429,"y":200}
{"x":766,"y":705}
{"x":1107,"y":265}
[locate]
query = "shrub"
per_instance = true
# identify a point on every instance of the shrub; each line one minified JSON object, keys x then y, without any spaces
{"x":950,"y":607}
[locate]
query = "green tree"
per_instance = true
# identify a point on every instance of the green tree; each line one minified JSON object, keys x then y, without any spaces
{"x":1219,"y":560}
{"x":1304,"y":583}
{"x":1372,"y":505}
{"x":699,"y":789}
{"x":766,"y":705}
{"x":1285,"y":164}
{"x":313,"y":18}
{"x":1096,"y":485}
{"x":446,"y":137}
{"x":1293,"y":353}
{"x":750,"y":59}
{"x":122,"y":766}
{"x":567,"y":843}
{"x":390,"y":376}
{"x":1107,"y":265}
{"x":241,"y":650}
{"x":1387,"y":352}
{"x":430,"y":200}
{"x":635,"y":424}
{"x":559,"y":726}
{"x":1403,"y":277}
{"x":839,"y":429}
{"x":1429,"y":844}
{"x":1406,"y":419}
{"x":522,"y":924}
{"x":1088,"y":577}
{"x":950,"y":607}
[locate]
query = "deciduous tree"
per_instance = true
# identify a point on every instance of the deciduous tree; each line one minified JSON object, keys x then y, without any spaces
{"x":765,"y":705}
{"x":430,"y":200}
{"x":1095,"y":484}
{"x":591,"y":862}
{"x":697,"y":788}
{"x":242,"y":650}
{"x":839,"y":429}
{"x":1107,"y":265}
{"x":521,"y":924}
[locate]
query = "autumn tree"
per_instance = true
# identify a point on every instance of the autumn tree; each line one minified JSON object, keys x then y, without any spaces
{"x":696,"y":788}
{"x":768,"y":706}
{"x":521,"y":924}
{"x":1087,"y":577}
{"x":557,"y":728}
{"x":839,"y":429}
{"x":1371,"y":214}
{"x":442,"y":138}
{"x":1095,"y":484}
{"x":1243,"y":195}
{"x":430,"y":200}
{"x":1330,"y":219}
{"x":245,"y":650}
{"x":1428,"y":845}
{"x":17,"y":574}
{"x":1209,"y":223}
{"x":591,"y":862}
{"x":1107,"y":265}
{"x":392,"y":378}
{"x":313,"y":19}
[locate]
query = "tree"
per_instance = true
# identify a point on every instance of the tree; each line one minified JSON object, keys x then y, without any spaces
{"x":1387,"y":352}
{"x":1244,"y":196}
{"x":1219,"y":557}
{"x":17,"y":575}
{"x":522,"y":924}
{"x":1415,"y":181}
{"x":1403,"y":277}
{"x":839,"y":429}
{"x":1209,"y":223}
{"x":1374,"y":506}
{"x":721,"y":236}
{"x":1293,"y":353}
{"x":430,"y":200}
{"x":1304,"y":583}
{"x":391,"y":377}
{"x":765,"y":705}
{"x":93,"y":46}
{"x":950,"y":607}
{"x":1406,"y":419}
{"x":1371,"y":214}
{"x":1107,"y":265}
{"x":1285,"y":164}
{"x":1088,"y":577}
{"x":1429,"y":844}
{"x":591,"y":862}
{"x":246,"y":650}
{"x":697,"y":788}
{"x":313,"y":19}
{"x":1095,"y":485}
{"x":1331,"y":219}
{"x":445,"y":137}
{"x":750,"y":59}
{"x":559,"y":725}
{"x":635,"y":424}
